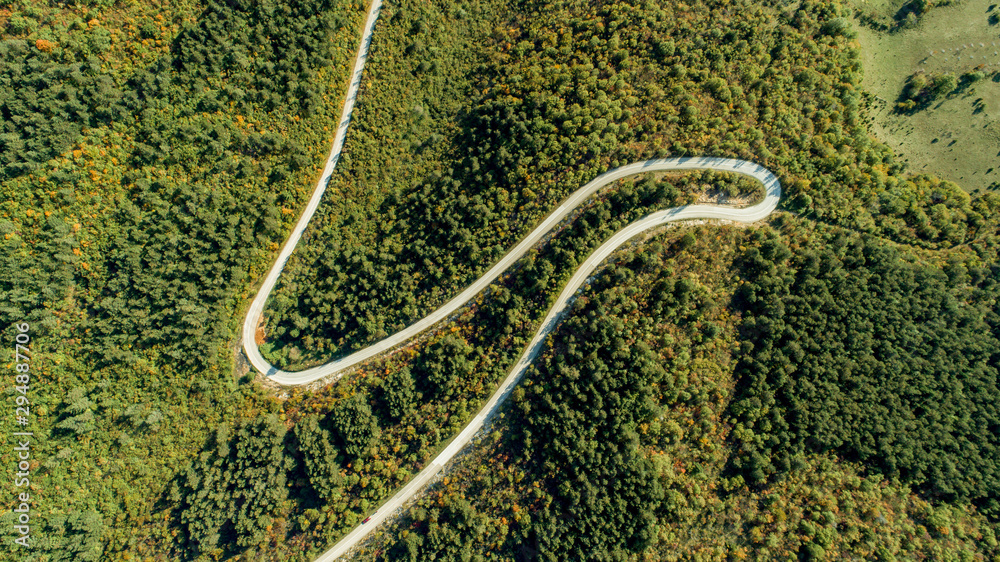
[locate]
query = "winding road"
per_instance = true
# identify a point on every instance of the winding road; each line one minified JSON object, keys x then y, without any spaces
{"x":745,"y":215}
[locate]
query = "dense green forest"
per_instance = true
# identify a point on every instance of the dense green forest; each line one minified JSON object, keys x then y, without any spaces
{"x":849,"y":347}
{"x":564,"y":92}
{"x":621,"y":442}
{"x":789,"y":98}
{"x":154,"y":157}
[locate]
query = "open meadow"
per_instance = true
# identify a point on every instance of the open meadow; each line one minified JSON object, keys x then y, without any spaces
{"x":956,"y":136}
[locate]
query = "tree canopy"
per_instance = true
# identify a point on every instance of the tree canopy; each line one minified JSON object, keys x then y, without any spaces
{"x":852,"y":348}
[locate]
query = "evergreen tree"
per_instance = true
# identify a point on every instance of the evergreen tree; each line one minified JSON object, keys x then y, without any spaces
{"x":354,"y":425}
{"x":320,"y":457}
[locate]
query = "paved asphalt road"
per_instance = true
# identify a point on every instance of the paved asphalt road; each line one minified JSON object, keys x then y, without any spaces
{"x":746,"y":215}
{"x":257,"y":306}
{"x":492,"y":406}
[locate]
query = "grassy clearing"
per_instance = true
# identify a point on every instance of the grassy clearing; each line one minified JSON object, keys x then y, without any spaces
{"x":957,"y":137}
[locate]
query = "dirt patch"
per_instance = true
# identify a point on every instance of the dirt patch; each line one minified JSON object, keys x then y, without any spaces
{"x":720,"y":197}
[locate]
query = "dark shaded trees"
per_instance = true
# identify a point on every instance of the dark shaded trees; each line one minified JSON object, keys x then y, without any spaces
{"x":582,"y":408}
{"x":228,"y":495}
{"x":853,"y":348}
{"x":73,"y":537}
{"x":320,"y":457}
{"x":398,"y":394}
{"x":445,"y":364}
{"x":46,"y":99}
{"x":446,"y":534}
{"x":354,"y":426}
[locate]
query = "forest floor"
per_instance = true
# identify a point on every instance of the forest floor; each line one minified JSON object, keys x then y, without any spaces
{"x":957,"y":138}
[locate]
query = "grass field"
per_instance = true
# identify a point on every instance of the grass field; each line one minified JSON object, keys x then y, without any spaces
{"x":957,"y":137}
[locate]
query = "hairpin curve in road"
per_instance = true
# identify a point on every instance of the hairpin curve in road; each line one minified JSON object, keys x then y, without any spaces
{"x":772,"y":188}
